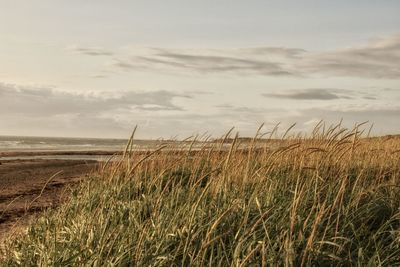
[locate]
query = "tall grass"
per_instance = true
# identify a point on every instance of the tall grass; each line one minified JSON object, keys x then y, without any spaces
{"x":329,"y":199}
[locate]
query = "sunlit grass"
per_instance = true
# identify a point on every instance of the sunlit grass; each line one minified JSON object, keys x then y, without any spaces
{"x":332,"y":198}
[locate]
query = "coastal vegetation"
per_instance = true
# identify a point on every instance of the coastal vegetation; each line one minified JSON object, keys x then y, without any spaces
{"x":331,"y":198}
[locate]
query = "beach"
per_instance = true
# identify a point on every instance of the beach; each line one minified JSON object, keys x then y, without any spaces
{"x":36,"y":171}
{"x":28,"y":186}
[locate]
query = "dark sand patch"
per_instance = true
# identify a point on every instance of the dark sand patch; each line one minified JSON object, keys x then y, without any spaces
{"x":25,"y":188}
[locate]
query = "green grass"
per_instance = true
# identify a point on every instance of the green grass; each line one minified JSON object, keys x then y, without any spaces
{"x":326,"y":200}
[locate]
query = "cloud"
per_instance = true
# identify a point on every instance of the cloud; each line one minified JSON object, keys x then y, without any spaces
{"x":90,"y":50}
{"x":370,"y":97}
{"x":208,"y":61}
{"x":313,"y":94}
{"x":98,"y":76}
{"x":45,"y":111}
{"x":242,"y":109}
{"x":45,"y":101}
{"x":274,"y":51}
{"x":376,"y":60}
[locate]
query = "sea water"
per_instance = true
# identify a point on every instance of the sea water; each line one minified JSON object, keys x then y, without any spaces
{"x":36,"y":144}
{"x":58,"y":144}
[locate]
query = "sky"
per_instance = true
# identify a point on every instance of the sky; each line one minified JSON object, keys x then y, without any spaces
{"x":178,"y":68}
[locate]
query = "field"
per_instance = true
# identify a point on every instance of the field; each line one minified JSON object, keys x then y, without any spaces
{"x":330,"y":198}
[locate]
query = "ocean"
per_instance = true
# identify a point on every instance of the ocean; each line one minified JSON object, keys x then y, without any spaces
{"x":22,"y":147}
{"x":14,"y":147}
{"x":34,"y":144}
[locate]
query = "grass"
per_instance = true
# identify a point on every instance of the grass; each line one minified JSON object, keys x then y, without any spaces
{"x":329,"y":199}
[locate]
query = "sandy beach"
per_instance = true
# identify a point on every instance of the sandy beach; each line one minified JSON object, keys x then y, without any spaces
{"x":26,"y":186}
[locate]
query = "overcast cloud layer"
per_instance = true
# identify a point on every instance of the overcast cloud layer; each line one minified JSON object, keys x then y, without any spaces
{"x":98,"y":68}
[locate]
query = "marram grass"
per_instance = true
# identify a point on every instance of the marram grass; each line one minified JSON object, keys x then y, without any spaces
{"x":331,"y":199}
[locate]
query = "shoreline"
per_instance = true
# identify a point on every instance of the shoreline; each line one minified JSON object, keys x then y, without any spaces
{"x":16,"y":153}
{"x":98,"y":156}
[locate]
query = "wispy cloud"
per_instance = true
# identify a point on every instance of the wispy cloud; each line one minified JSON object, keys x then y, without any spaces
{"x":217,"y":64}
{"x":208,"y":61}
{"x":313,"y":94}
{"x":90,"y":50}
{"x":274,"y":51}
{"x":374,"y":60}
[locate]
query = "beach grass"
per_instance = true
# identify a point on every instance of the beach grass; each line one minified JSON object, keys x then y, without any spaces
{"x":331,"y":198}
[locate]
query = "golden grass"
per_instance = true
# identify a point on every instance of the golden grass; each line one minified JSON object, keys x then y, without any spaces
{"x":329,"y":199}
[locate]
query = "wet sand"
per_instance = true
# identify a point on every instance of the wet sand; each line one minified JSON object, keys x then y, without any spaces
{"x":26,"y":187}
